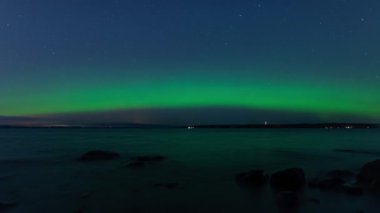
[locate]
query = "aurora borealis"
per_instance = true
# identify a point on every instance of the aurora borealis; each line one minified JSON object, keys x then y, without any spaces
{"x":320,"y":58}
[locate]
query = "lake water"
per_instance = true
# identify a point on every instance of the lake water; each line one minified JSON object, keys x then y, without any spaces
{"x":39,"y":168}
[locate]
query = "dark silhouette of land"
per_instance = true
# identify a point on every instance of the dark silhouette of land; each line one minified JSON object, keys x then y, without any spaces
{"x":306,"y":125}
{"x":235,"y":126}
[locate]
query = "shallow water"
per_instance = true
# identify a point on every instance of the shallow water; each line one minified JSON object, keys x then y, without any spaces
{"x":39,"y":170}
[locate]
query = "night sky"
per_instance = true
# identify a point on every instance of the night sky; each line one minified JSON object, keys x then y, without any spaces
{"x":198,"y":61}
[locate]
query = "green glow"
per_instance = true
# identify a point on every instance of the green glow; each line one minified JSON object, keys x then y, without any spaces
{"x":191,"y":88}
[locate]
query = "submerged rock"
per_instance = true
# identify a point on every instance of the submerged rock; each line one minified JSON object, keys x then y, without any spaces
{"x":7,"y":205}
{"x":289,"y":179}
{"x":99,"y":155}
{"x":252,"y":178}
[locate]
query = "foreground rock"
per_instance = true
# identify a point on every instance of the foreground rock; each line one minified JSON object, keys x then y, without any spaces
{"x":289,"y":179}
{"x":252,"y":178}
{"x":99,"y":155}
{"x":369,"y":176}
{"x":4,"y":205}
{"x":369,"y":173}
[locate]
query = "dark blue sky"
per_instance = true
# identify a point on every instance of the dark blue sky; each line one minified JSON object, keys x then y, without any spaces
{"x":316,"y":60}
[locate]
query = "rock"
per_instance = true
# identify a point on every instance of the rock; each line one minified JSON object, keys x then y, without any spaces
{"x":149,"y":158}
{"x":252,"y":178}
{"x":7,"y":205}
{"x":287,"y":201}
{"x":99,"y":155}
{"x":375,"y":186}
{"x":289,"y":179}
{"x":369,"y":172}
{"x":369,"y":176}
{"x":340,"y":173}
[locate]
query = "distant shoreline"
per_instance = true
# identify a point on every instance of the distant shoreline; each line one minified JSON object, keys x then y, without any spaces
{"x":298,"y":126}
{"x":222,"y":126}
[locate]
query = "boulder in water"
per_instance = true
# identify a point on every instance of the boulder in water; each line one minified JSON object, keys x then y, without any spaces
{"x":369,"y":172}
{"x":289,"y":179}
{"x":369,"y":176}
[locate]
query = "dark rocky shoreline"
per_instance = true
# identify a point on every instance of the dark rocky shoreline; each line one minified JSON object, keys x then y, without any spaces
{"x":288,"y":185}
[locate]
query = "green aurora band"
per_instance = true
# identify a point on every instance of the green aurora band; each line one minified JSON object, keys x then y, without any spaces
{"x":185,"y":88}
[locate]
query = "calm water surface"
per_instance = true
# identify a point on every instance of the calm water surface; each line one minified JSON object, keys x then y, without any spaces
{"x":39,"y":170}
